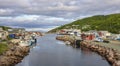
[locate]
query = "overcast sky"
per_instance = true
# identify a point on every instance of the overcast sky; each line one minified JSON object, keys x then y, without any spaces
{"x":44,"y":15}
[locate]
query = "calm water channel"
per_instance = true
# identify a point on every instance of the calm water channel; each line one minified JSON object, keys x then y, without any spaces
{"x":51,"y":52}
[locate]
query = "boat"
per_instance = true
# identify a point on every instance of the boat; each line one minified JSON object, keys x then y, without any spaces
{"x":25,"y":43}
{"x":67,"y":42}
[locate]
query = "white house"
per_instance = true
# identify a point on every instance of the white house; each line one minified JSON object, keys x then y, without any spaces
{"x":3,"y":35}
{"x":105,"y":34}
{"x":1,"y":29}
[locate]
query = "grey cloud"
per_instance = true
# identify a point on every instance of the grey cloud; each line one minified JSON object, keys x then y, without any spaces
{"x":60,"y":8}
{"x":58,"y":12}
{"x":29,"y":21}
{"x":14,"y":3}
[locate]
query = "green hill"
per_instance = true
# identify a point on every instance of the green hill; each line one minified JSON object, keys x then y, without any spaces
{"x":4,"y":27}
{"x":99,"y":22}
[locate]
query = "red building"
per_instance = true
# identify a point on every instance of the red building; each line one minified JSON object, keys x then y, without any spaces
{"x":88,"y":37}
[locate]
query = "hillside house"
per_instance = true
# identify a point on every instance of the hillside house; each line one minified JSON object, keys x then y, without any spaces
{"x":88,"y":36}
{"x":104,"y":34}
{"x":115,"y":36}
{"x":16,"y":33}
{"x":1,"y":29}
{"x":70,"y":31}
{"x":3,"y":35}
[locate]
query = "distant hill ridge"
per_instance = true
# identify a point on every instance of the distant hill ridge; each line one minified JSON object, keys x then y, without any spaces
{"x":99,"y":22}
{"x":5,"y":28}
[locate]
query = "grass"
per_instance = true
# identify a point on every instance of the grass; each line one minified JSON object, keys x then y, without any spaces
{"x":3,"y":47}
{"x":114,"y":45}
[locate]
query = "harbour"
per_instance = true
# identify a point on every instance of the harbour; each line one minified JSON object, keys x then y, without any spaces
{"x":52,"y":52}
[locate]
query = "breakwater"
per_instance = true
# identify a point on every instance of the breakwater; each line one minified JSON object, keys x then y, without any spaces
{"x":66,"y":38}
{"x":110,"y":54}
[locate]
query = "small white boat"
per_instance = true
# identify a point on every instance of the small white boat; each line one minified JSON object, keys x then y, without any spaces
{"x":67,"y":42}
{"x":24,"y":43}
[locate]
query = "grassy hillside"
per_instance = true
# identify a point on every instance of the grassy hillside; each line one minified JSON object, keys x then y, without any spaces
{"x":3,"y":47}
{"x":4,"y":27}
{"x":99,"y":22}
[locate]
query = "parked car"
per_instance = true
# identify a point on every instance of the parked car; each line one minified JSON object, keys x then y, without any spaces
{"x":98,"y":40}
{"x":106,"y":41}
{"x":118,"y":39}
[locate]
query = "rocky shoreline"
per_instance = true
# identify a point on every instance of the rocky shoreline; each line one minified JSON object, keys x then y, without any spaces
{"x":111,"y":55}
{"x":13,"y":55}
{"x":65,"y":38}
